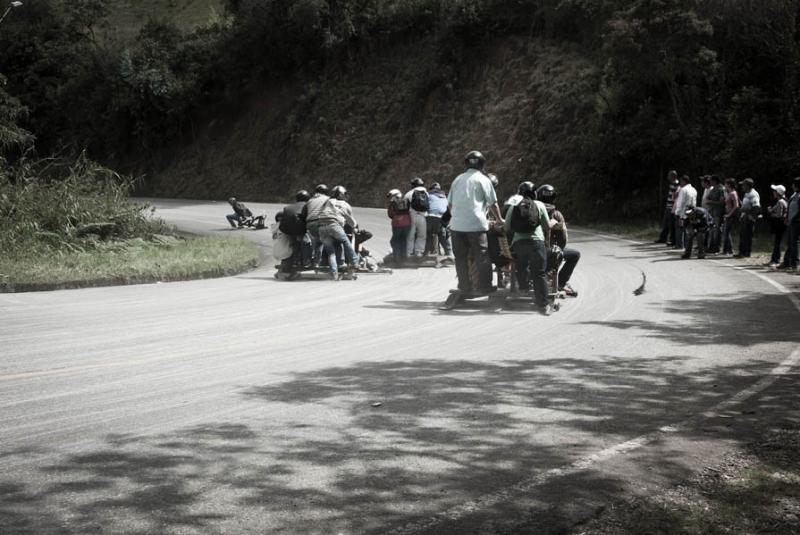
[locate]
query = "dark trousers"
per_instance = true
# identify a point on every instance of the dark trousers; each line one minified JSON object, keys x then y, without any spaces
{"x":667,"y":227}
{"x":398,"y":242}
{"x":746,"y":238}
{"x":475,"y":244}
{"x":776,"y":245}
{"x":571,"y":257}
{"x":715,"y":240}
{"x":436,"y":236}
{"x":701,"y":235}
{"x":532,"y":267}
{"x":680,"y":233}
{"x":790,"y":259}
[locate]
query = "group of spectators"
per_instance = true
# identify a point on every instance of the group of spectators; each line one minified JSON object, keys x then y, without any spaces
{"x":710,"y":218}
{"x":468,"y":225}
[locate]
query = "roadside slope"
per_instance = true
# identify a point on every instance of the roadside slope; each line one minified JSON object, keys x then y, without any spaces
{"x":388,"y":115}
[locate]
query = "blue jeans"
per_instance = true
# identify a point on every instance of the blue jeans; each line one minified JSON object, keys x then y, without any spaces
{"x":727,"y":241}
{"x":331,"y":235}
{"x":234,"y":220}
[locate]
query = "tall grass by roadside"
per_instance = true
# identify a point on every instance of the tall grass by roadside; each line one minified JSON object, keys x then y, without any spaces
{"x":71,"y":224}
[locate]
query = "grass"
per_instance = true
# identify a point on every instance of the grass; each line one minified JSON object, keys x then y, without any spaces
{"x":752,"y":491}
{"x":167,"y":258}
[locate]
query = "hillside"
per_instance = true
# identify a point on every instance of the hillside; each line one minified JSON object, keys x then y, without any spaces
{"x":383,"y":118}
{"x":127,"y":17}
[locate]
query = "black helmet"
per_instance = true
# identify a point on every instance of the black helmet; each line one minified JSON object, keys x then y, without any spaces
{"x":546,"y":193}
{"x":301,"y":196}
{"x":436,"y":185}
{"x":417,"y":182}
{"x":231,"y":200}
{"x":321,"y":188}
{"x":339,"y":192}
{"x":493,"y":178}
{"x":527,"y":189}
{"x":474,"y":160}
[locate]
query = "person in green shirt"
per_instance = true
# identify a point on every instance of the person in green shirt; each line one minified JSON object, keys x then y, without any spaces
{"x":530,"y":249}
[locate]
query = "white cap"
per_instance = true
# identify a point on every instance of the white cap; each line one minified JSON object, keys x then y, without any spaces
{"x":780,"y":189}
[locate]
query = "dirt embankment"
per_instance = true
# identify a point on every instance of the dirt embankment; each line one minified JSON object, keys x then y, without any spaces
{"x":375,"y":121}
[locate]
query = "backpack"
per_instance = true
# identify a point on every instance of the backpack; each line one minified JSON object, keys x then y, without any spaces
{"x":525,"y":217}
{"x":400,"y":206}
{"x":419,"y":200}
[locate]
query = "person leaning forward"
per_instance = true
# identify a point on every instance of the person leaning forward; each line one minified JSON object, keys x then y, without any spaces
{"x":471,"y":197}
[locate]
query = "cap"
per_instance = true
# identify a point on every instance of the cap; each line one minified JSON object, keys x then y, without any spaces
{"x":780,"y":189}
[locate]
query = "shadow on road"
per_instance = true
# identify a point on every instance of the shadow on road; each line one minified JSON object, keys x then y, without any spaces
{"x":323,"y":457}
{"x":738,"y":319}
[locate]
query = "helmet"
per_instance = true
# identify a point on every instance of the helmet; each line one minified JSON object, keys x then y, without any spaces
{"x":417,"y":182}
{"x":321,"y":188}
{"x":394,"y":193}
{"x":546,"y":193}
{"x":232,"y":200}
{"x":436,"y":185}
{"x":339,"y":192}
{"x":493,"y":178}
{"x":301,"y":196}
{"x":474,"y":160}
{"x":527,"y":189}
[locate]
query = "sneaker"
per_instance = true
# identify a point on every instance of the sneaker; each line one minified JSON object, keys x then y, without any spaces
{"x":567,"y":289}
{"x":546,"y":310}
{"x":334,"y":276}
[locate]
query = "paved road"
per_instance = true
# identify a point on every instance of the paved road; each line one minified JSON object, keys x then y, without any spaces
{"x":246,"y":404}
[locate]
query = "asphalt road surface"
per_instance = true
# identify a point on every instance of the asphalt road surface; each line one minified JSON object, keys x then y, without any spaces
{"x":250,"y":405}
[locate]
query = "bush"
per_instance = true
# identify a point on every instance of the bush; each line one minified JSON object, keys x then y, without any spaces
{"x":67,"y":206}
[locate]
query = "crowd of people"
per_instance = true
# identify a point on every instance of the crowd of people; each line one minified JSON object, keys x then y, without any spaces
{"x":468,"y":225}
{"x":465,"y":226}
{"x":708,"y":219}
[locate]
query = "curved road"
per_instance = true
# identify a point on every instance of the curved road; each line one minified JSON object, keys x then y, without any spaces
{"x":246,"y":404}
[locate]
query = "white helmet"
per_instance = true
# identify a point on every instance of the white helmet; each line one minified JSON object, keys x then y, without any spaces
{"x":394,"y":193}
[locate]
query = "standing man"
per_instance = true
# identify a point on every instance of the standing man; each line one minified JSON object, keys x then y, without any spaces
{"x":471,"y":197}
{"x":417,"y":198}
{"x":311,"y":212}
{"x":750,"y":210}
{"x":777,"y":221}
{"x":437,"y":233}
{"x":731,"y":210}
{"x":528,"y":220}
{"x":668,"y":221}
{"x":790,"y":260}
{"x":687,"y":197}
{"x":716,"y":207}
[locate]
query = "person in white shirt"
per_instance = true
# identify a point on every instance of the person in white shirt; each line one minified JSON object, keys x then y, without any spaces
{"x":750,"y":212}
{"x":687,"y":196}
{"x":471,"y":197}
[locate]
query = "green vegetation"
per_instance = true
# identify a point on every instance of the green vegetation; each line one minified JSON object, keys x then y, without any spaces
{"x":755,"y":491}
{"x":601,"y":97}
{"x":66,"y":224}
{"x":131,"y":261}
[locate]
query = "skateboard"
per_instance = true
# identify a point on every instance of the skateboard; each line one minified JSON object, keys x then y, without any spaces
{"x":459,"y":297}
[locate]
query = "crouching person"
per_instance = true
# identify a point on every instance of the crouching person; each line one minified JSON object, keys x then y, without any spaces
{"x":698,"y":224}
